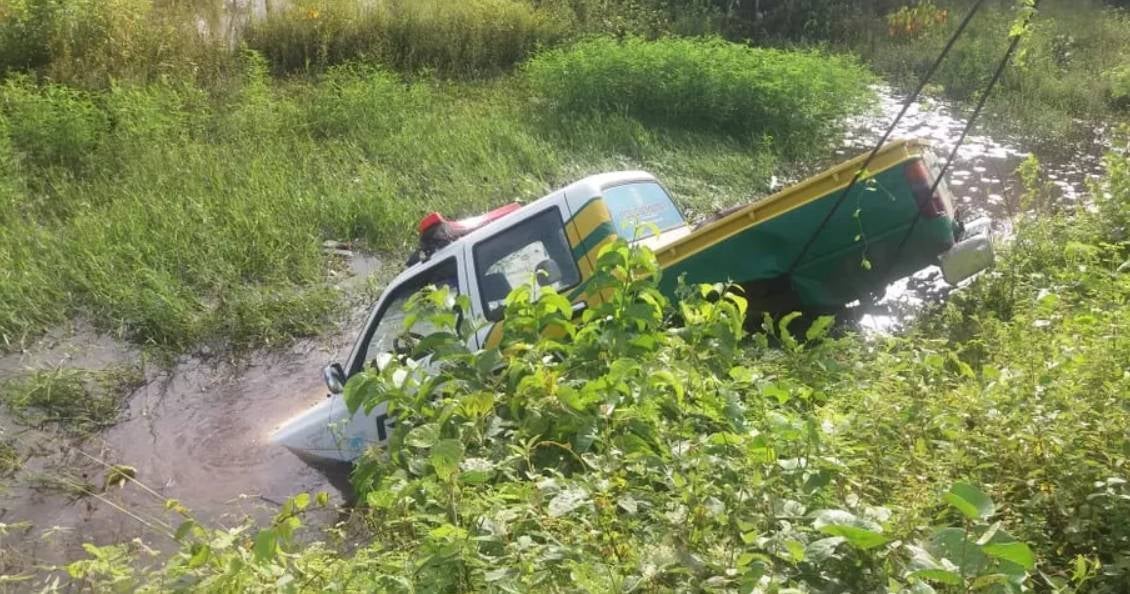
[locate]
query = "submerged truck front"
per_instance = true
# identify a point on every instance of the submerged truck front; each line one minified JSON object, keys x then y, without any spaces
{"x":892,"y":225}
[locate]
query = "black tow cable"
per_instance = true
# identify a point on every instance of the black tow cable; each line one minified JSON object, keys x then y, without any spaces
{"x":965,"y":132}
{"x":910,"y":100}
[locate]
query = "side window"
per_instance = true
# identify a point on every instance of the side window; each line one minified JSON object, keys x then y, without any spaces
{"x":389,"y":323}
{"x":536,"y":246}
{"x":641,"y":203}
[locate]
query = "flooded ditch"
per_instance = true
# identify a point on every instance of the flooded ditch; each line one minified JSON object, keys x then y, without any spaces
{"x":197,"y":431}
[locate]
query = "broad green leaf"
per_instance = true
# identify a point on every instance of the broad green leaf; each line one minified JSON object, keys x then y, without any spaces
{"x":476,"y":470}
{"x":745,"y":559}
{"x":478,"y":404}
{"x":943,"y":576}
{"x":970,"y":501}
{"x":858,"y":537}
{"x":824,"y":549}
{"x":952,"y":544}
{"x":424,"y":436}
{"x":184,"y":528}
{"x":266,"y":543}
{"x":200,"y":554}
{"x":567,"y":501}
{"x":447,"y":533}
{"x":819,"y":328}
{"x":860,"y":532}
{"x":1016,"y":552}
{"x":446,"y":456}
{"x":361,"y":390}
{"x":796,"y":550}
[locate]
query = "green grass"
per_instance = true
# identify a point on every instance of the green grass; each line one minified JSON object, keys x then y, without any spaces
{"x":10,"y":459}
{"x":178,"y":216}
{"x":461,"y":39}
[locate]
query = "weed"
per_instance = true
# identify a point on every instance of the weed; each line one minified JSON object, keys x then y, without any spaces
{"x":82,"y":401}
{"x":10,"y":459}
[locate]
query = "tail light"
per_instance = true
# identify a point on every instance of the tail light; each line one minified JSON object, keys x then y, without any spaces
{"x":918,"y":176}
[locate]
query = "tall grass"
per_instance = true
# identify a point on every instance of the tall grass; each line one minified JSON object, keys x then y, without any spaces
{"x":92,"y":42}
{"x":795,"y":98}
{"x":456,"y":38}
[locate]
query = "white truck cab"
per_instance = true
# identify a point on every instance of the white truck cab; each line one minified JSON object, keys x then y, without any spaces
{"x":557,"y":236}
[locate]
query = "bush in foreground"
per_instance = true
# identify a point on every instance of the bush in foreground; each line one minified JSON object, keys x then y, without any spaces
{"x":794,"y":97}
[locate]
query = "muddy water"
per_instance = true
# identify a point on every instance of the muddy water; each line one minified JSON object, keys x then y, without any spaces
{"x":196,"y":432}
{"x":982,"y":180}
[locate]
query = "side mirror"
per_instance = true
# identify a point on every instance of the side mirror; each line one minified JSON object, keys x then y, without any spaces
{"x":334,"y":377}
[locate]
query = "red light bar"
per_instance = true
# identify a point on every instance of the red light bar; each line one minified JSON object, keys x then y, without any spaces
{"x":430,"y":220}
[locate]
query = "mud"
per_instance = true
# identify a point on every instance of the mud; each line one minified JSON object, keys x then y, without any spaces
{"x":196,"y":432}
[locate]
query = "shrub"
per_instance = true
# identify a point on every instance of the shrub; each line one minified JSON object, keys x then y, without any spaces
{"x":794,"y":97}
{"x":1118,"y":79}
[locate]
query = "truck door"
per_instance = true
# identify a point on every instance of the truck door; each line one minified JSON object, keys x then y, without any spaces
{"x":347,"y":436}
{"x":533,"y":245}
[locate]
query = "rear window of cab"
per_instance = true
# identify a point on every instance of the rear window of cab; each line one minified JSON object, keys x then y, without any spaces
{"x":638,"y":205}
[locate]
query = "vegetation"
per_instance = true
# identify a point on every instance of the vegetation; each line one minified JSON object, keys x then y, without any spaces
{"x":462,"y":39}
{"x":75,"y":400}
{"x":1070,"y":67}
{"x":964,"y":456}
{"x":176,"y":184}
{"x":789,"y":97}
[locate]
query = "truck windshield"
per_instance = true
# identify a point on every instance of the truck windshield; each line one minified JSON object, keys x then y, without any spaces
{"x":635,"y":206}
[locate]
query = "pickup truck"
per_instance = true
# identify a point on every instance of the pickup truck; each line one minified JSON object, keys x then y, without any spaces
{"x":887,"y":227}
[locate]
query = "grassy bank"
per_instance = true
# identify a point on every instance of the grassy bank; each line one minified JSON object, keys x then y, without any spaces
{"x":178,"y":214}
{"x":983,"y":451}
